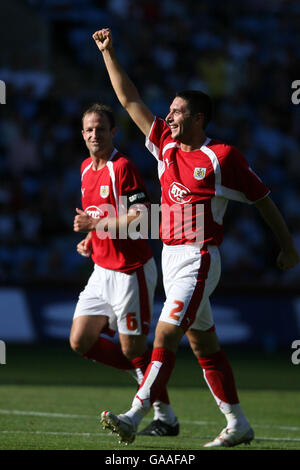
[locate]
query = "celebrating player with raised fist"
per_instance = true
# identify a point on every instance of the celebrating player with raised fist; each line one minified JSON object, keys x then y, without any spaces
{"x":204,"y":174}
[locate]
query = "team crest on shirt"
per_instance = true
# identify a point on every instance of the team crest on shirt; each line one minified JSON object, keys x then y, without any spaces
{"x":104,"y":191}
{"x":199,"y":173}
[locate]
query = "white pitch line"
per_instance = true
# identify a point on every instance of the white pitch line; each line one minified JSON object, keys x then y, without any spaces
{"x":58,"y":433}
{"x":96,"y":434}
{"x":43,"y":414}
{"x":76,"y":416}
{"x":276,"y":439}
{"x":267,"y":426}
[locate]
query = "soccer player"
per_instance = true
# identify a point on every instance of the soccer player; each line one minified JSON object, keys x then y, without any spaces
{"x":203,"y":173}
{"x":119,"y":294}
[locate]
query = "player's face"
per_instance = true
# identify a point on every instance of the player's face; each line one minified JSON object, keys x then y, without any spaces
{"x":180,"y":120}
{"x":97,"y":133}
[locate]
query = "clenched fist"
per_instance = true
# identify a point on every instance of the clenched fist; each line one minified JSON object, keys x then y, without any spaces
{"x":84,"y":247}
{"x":103,"y":39}
{"x":83,"y":222}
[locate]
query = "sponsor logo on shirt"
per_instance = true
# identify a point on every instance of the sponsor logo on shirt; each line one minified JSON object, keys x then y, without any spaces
{"x":94,"y":211}
{"x":199,"y":173}
{"x":136,"y":197}
{"x":104,"y":191}
{"x":179,"y":193}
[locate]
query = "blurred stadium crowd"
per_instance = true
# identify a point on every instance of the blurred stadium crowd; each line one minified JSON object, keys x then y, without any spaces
{"x":244,"y":54}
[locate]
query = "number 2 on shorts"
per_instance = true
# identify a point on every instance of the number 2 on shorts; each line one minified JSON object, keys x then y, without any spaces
{"x":174,"y":312}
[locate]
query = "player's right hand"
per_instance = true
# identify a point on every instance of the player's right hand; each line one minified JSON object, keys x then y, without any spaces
{"x":84,"y":247}
{"x":103,"y":39}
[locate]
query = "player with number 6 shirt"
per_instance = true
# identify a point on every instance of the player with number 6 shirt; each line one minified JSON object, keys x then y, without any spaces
{"x":120,"y":291}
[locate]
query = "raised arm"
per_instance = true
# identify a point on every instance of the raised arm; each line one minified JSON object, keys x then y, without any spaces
{"x":288,"y":256}
{"x":124,"y":88}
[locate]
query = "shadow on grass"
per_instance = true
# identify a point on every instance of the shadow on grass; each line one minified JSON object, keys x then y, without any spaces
{"x":56,"y":364}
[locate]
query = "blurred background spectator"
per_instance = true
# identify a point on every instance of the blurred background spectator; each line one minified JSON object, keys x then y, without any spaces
{"x":245,"y":54}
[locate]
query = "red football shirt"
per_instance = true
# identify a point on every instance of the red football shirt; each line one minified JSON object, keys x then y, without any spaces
{"x":197,"y":185}
{"x":101,"y":191}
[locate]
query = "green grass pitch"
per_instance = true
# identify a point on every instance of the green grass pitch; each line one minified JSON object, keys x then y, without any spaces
{"x":50,"y":398}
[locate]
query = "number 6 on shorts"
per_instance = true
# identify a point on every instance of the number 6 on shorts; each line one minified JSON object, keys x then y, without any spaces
{"x":131,"y":321}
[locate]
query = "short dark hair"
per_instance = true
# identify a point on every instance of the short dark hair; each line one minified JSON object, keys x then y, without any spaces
{"x":198,"y":102}
{"x":101,"y":109}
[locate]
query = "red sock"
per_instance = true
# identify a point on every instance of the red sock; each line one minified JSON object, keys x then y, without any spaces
{"x":159,"y":384}
{"x":109,"y":353}
{"x":141,"y":362}
{"x":219,"y":376}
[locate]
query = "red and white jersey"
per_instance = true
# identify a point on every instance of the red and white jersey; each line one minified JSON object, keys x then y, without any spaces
{"x":101,"y":191}
{"x":201,"y":183}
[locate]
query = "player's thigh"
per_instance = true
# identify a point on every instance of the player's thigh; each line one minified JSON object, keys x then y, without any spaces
{"x":133,"y":300}
{"x":88,"y":325}
{"x":92,"y":314}
{"x":85,"y":331}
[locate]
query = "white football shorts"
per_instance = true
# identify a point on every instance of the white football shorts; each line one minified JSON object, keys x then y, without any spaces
{"x":190,"y":276}
{"x":126,"y":299}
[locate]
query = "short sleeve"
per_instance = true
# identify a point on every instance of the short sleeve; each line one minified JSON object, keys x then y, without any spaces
{"x":132,"y":189}
{"x":238,"y":181}
{"x":159,"y":133}
{"x":129,"y":179}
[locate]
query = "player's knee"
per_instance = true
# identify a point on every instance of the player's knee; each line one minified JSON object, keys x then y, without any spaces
{"x":129,"y":352}
{"x":80,"y":344}
{"x":168,"y":336}
{"x":203,"y":344}
{"x":75,"y":344}
{"x":196,"y":347}
{"x":200,"y":350}
{"x":133,"y":345}
{"x":132,"y":350}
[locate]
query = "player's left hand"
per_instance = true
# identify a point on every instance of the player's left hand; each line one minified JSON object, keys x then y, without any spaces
{"x":83,"y":222}
{"x":287,"y":259}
